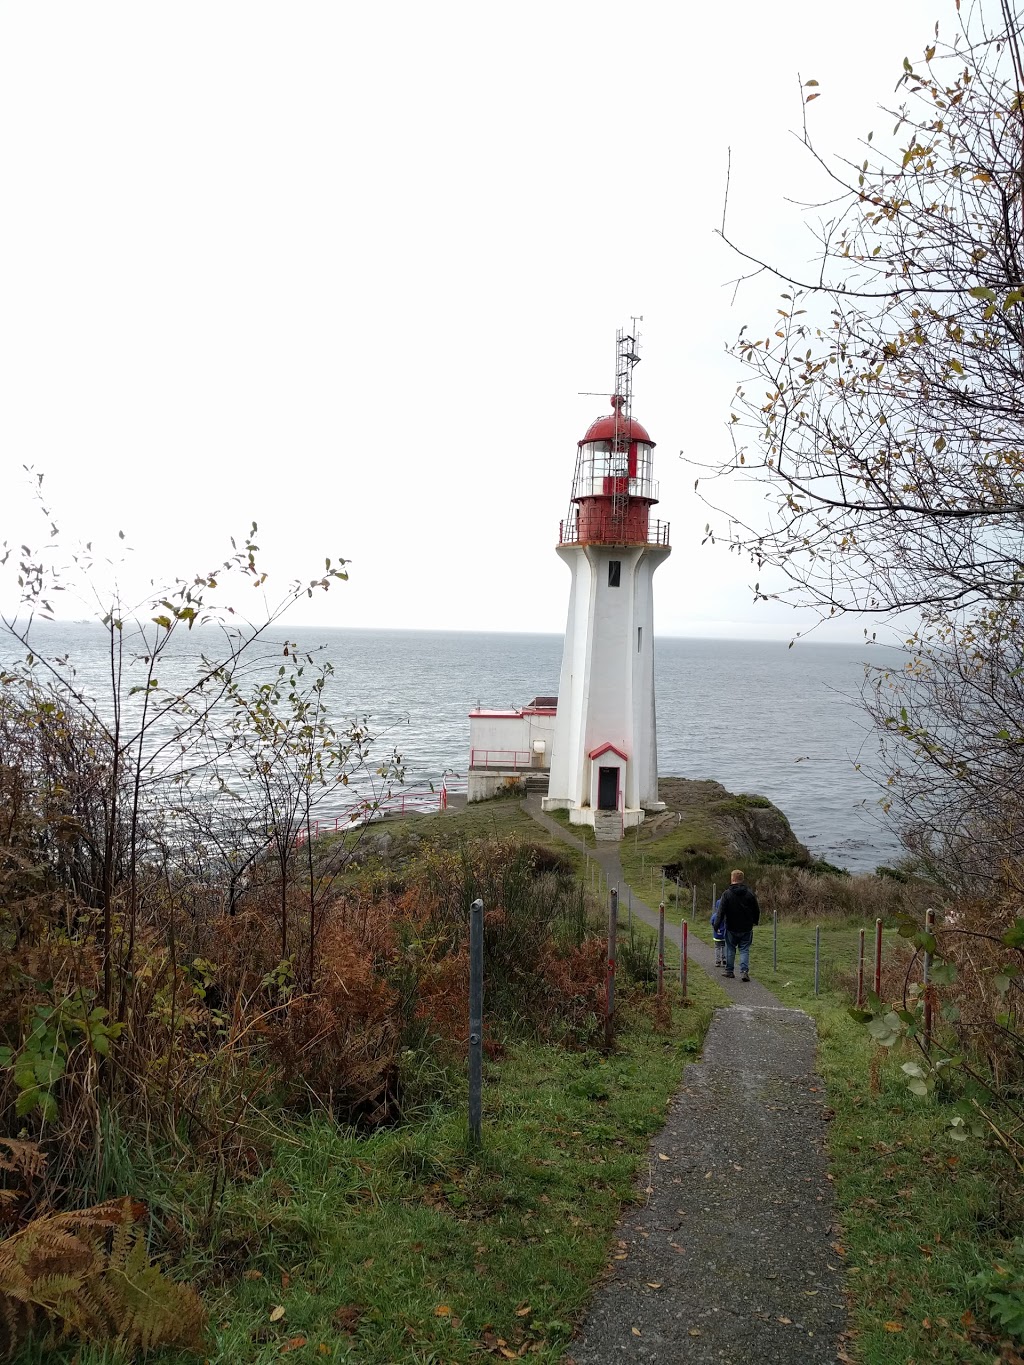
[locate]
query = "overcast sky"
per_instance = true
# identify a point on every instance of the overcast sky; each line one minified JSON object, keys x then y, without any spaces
{"x":343,"y":270}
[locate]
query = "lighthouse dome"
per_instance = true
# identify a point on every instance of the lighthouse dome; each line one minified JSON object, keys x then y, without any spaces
{"x":608,"y":427}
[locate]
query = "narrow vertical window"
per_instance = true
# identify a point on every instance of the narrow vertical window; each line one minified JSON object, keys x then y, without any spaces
{"x":639,"y":638}
{"x":614,"y":572}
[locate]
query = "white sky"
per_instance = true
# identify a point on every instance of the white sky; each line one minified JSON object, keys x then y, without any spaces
{"x":342,"y":269}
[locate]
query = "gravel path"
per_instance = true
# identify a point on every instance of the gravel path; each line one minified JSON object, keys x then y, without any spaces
{"x":729,"y":1258}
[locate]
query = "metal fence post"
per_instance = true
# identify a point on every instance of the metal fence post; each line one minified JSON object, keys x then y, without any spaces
{"x":629,"y":903}
{"x":860,"y":969}
{"x":775,"y":940}
{"x":694,"y":914}
{"x":878,"y":957}
{"x":476,"y":1019}
{"x":714,"y":896}
{"x":613,"y":927}
{"x":817,"y":956}
{"x":684,"y":960}
{"x":661,"y":948}
{"x":929,"y":928}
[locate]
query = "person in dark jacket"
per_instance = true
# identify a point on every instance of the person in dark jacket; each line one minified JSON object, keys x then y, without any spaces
{"x":739,"y":912}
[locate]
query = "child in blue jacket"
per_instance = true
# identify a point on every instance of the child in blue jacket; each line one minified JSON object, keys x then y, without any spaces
{"x":718,"y":934}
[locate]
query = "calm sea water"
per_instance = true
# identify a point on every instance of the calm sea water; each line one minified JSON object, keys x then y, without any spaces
{"x":756,"y":716}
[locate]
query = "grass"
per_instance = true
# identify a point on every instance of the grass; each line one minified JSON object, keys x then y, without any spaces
{"x":584,"y":833}
{"x":410,"y":835}
{"x":920,"y":1213}
{"x":405,"y":1247}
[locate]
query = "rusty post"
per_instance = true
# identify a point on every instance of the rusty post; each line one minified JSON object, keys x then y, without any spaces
{"x":860,"y":970}
{"x":684,"y":964}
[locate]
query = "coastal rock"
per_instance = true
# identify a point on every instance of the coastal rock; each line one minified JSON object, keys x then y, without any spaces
{"x":715,"y":824}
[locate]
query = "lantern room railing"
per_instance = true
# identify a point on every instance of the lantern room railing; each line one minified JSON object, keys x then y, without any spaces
{"x":657,"y":534}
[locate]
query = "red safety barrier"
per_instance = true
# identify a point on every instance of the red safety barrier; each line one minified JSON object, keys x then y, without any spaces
{"x":363,"y":812}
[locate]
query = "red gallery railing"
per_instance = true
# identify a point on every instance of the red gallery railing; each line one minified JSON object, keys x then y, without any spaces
{"x":400,"y":803}
{"x":657,"y":534}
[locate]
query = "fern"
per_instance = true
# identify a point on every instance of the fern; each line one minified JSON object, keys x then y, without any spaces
{"x":87,"y":1274}
{"x":24,"y":1159}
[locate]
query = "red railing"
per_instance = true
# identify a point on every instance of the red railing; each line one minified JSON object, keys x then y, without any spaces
{"x":657,"y":534}
{"x":500,"y":758}
{"x":400,"y":803}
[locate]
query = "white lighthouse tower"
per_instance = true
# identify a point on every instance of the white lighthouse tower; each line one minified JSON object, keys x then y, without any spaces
{"x":604,"y":758}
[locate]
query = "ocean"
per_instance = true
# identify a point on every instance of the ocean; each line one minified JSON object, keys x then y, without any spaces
{"x":757,"y":716}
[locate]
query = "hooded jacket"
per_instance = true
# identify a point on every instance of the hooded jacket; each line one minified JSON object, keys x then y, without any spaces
{"x":739,"y":910}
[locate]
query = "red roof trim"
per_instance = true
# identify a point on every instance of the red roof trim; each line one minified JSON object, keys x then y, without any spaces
{"x":596,"y":753}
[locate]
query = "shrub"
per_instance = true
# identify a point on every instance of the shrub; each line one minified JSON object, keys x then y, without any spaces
{"x":800,"y":893}
{"x":638,"y":954}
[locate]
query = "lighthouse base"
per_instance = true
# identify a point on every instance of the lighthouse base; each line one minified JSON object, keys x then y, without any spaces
{"x":601,"y":821}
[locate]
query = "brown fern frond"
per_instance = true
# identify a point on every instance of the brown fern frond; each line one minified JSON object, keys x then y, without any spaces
{"x":26,"y":1159}
{"x":88,"y":1274}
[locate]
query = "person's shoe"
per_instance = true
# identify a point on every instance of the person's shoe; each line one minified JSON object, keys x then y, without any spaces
{"x":730,"y":974}
{"x":745,"y":976}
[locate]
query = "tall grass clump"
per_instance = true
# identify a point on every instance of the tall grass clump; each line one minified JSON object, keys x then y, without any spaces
{"x":798,"y":893}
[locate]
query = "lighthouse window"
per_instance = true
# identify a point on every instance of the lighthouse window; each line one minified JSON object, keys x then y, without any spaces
{"x":639,"y":638}
{"x":614,"y":572}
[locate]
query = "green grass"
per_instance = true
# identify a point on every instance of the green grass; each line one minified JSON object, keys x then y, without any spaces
{"x":920,"y":1213}
{"x":403,"y":1247}
{"x":411,"y":835}
{"x":584,"y":833}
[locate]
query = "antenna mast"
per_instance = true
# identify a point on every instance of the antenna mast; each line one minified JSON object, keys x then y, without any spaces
{"x":627,"y":357}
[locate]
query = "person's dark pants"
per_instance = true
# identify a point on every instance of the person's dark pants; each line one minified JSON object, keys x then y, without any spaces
{"x":742,"y":942}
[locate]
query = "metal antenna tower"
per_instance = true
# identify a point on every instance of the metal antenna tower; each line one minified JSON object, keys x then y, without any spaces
{"x":627,"y":357}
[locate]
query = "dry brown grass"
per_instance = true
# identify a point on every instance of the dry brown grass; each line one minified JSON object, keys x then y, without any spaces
{"x":797,"y":894}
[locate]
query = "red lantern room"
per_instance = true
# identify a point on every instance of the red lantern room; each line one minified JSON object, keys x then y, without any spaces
{"x":614,"y":488}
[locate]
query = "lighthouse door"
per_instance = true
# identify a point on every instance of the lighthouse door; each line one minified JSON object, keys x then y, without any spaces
{"x":607,"y":788}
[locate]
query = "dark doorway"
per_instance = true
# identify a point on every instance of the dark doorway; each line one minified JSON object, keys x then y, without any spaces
{"x":607,"y":788}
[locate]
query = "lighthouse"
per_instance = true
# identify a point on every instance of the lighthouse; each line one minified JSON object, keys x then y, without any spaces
{"x":604,"y":750}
